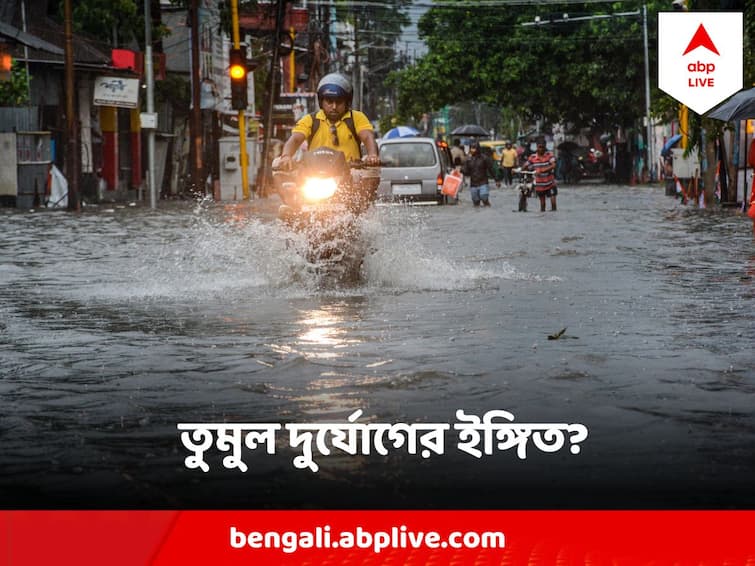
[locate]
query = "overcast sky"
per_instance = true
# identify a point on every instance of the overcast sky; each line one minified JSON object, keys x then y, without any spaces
{"x":410,"y":40}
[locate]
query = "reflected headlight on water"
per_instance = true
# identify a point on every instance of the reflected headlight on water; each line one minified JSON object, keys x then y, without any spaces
{"x":316,"y":189}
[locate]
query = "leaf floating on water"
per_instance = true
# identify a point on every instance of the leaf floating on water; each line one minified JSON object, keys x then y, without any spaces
{"x":378,"y":364}
{"x":558,"y":334}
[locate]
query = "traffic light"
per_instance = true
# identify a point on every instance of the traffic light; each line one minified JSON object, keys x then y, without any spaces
{"x":238,"y":72}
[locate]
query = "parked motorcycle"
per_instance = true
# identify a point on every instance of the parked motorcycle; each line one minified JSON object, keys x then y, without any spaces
{"x":577,"y":163}
{"x":593,"y":164}
{"x":525,"y":186}
{"x":323,"y":200}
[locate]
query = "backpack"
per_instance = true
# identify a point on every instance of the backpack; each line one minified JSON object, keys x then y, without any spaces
{"x":348,"y":121}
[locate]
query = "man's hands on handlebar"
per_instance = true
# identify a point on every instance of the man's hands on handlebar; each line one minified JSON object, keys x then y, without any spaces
{"x":286,"y":163}
{"x":282,"y":163}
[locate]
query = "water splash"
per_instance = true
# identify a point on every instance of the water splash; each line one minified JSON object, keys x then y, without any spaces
{"x":214,"y":252}
{"x":406,"y":255}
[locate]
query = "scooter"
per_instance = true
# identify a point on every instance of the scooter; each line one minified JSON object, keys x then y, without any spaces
{"x":525,"y":185}
{"x":575,"y":166}
{"x":323,"y":200}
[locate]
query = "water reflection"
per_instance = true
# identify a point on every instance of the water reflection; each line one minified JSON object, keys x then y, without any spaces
{"x":749,"y":272}
{"x":325,"y":331}
{"x":202,"y":314}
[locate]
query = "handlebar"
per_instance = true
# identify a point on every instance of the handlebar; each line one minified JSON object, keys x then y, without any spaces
{"x":276,"y":165}
{"x":363,"y":165}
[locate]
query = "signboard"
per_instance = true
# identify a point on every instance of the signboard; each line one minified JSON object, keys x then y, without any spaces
{"x":700,"y":57}
{"x":148,"y":120}
{"x":685,"y":167}
{"x":116,"y":91}
{"x":295,"y":105}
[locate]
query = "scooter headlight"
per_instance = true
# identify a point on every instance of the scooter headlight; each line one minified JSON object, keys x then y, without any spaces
{"x":316,"y":189}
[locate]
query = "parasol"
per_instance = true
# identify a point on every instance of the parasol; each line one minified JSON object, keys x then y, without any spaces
{"x":470,"y":130}
{"x":671,"y":142}
{"x":401,"y":132}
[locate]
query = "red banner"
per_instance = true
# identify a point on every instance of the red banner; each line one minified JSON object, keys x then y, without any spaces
{"x":377,"y":537}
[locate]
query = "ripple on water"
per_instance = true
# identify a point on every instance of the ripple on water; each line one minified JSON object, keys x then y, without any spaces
{"x":116,"y":325}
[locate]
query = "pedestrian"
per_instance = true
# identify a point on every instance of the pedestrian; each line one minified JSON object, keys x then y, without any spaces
{"x":543,"y":164}
{"x":509,"y":158}
{"x":458,"y":157}
{"x":668,"y":174}
{"x":425,"y":125}
{"x":479,"y":168}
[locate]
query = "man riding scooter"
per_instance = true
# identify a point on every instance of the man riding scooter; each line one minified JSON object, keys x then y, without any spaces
{"x":335,"y":125}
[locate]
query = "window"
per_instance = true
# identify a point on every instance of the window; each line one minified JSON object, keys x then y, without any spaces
{"x":407,"y":155}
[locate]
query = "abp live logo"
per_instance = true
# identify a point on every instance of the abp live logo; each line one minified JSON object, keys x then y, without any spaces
{"x":700,"y":57}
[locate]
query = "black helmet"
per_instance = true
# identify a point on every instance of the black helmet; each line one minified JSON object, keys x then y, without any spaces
{"x":335,"y":85}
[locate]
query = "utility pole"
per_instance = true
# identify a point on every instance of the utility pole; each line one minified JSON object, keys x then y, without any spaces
{"x":71,"y":145}
{"x":649,"y":143}
{"x":150,"y":79}
{"x":355,"y":71}
{"x":271,"y":86}
{"x":292,"y":60}
{"x":26,"y":54}
{"x":195,"y":122}
{"x":243,"y":161}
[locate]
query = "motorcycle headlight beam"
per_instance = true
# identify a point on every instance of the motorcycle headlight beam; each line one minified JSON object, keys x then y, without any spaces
{"x":316,"y":189}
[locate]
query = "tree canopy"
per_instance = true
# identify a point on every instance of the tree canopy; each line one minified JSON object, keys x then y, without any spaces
{"x":14,"y":91}
{"x":581,"y":63}
{"x":115,"y":22}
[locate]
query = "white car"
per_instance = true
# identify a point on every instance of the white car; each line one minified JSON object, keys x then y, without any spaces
{"x":413,"y":169}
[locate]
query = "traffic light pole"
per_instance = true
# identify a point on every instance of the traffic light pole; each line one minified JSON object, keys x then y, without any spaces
{"x":150,"y":83}
{"x":242,"y":118}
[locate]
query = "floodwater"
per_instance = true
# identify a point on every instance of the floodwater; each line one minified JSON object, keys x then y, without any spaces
{"x":120,"y":322}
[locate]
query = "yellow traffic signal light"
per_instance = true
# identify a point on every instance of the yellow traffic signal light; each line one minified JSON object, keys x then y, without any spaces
{"x":237,"y":70}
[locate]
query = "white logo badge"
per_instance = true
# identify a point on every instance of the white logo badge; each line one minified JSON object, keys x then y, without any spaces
{"x":700,"y":57}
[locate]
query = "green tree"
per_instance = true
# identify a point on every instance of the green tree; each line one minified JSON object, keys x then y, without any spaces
{"x":115,"y":22}
{"x":14,"y":92}
{"x":704,"y":132}
{"x":110,"y":21}
{"x":582,"y":69}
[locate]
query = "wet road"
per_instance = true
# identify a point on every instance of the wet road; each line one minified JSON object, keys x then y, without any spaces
{"x":118,"y":323}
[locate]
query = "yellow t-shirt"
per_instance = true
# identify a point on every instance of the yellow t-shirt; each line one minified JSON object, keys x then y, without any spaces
{"x":324,"y":138}
{"x":508,"y":157}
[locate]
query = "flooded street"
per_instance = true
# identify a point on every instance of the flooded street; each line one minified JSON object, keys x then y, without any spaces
{"x":121,"y":322}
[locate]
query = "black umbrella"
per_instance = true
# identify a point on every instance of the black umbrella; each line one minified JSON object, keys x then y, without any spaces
{"x":470,"y":130}
{"x":741,"y":106}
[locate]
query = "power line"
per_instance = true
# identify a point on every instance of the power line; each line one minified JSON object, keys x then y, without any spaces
{"x":463,"y":3}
